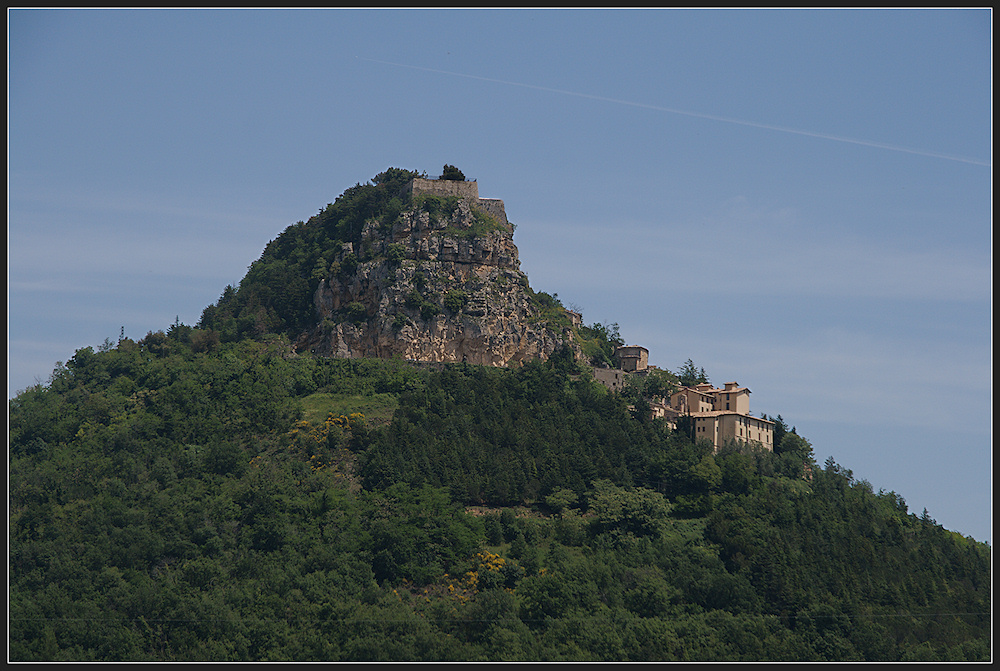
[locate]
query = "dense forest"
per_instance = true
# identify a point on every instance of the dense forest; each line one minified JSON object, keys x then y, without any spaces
{"x":176,"y":502}
{"x":210,"y":493}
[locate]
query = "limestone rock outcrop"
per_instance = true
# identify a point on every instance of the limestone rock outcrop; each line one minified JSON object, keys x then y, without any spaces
{"x":433,"y":285}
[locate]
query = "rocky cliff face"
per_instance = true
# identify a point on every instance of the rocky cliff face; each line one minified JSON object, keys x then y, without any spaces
{"x":441,"y":283}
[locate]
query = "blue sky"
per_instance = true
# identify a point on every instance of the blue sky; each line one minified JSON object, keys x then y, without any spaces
{"x":799,"y":201}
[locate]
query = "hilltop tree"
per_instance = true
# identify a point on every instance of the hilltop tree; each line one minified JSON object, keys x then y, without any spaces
{"x":780,"y":429}
{"x":689,"y":375}
{"x":793,"y":443}
{"x":452,"y":173}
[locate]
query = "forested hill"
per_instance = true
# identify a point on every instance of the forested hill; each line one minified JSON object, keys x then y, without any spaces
{"x":223,"y":492}
{"x":189,"y":497}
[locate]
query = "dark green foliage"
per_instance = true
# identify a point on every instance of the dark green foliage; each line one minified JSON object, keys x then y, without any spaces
{"x":429,"y":310}
{"x":794,"y":445}
{"x":356,"y":311}
{"x":418,"y":534}
{"x":841,"y":561}
{"x":455,"y":300}
{"x":780,"y":429}
{"x":599,"y":342}
{"x":395,"y":253}
{"x":549,"y":309}
{"x":442,"y":208}
{"x":502,"y":437}
{"x":689,"y":375}
{"x":453,"y":173}
{"x":627,"y":512}
{"x":166,"y":506}
{"x":655,"y":383}
{"x":438,"y":207}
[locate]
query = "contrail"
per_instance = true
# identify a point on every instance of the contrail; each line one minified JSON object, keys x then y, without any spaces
{"x":698,"y":115}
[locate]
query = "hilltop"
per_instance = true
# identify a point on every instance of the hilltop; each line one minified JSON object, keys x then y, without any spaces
{"x":405,"y":266}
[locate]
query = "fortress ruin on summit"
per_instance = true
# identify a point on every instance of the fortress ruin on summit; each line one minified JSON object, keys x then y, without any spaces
{"x":453,"y":188}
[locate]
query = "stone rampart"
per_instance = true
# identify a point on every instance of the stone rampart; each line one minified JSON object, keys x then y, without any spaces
{"x":444,"y":188}
{"x":494,"y":208}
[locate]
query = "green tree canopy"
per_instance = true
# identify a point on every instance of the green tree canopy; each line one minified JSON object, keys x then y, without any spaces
{"x":452,"y":173}
{"x":689,"y":375}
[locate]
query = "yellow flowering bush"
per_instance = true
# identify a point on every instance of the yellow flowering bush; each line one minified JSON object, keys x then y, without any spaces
{"x":320,"y":445}
{"x":489,"y":571}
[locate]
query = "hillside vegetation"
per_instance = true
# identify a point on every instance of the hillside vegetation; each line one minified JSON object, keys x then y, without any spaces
{"x":222,"y":493}
{"x":276,"y":295}
{"x":172,"y":502}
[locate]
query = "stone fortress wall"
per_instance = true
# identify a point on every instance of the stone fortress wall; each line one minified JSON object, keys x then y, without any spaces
{"x":446,"y":188}
{"x":494,"y":208}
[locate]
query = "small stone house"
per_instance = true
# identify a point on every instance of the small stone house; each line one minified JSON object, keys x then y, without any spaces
{"x":612,"y":378}
{"x":632,"y":358}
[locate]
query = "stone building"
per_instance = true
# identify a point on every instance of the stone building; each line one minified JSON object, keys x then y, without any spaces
{"x":632,"y":358}
{"x":659,"y":409}
{"x":720,"y":415}
{"x":612,"y":378}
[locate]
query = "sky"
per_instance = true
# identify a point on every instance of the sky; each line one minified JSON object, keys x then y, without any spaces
{"x":799,"y":201}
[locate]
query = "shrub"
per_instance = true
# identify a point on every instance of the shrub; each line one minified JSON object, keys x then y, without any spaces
{"x":356,"y":311}
{"x":429,"y":311}
{"x":455,"y":300}
{"x":395,"y":253}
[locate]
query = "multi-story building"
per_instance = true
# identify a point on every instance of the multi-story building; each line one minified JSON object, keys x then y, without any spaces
{"x":721,"y":415}
{"x":718,"y":415}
